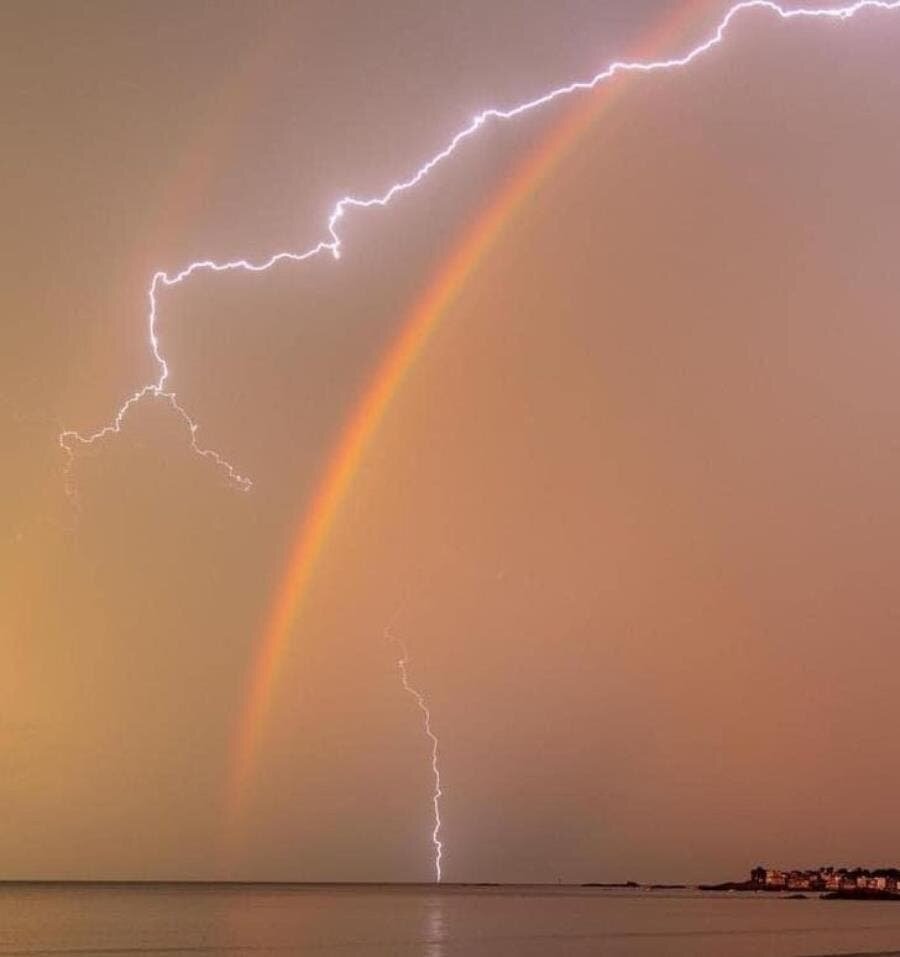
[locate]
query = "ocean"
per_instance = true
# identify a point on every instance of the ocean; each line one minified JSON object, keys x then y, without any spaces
{"x":427,"y":921}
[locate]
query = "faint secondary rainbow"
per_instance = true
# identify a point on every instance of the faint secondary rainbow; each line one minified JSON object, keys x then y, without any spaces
{"x":444,"y":287}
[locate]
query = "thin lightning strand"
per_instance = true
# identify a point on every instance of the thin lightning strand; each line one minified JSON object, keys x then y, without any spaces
{"x":69,"y":440}
{"x":422,"y":704}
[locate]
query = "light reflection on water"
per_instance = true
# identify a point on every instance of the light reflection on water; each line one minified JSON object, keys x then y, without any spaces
{"x":429,"y":921}
{"x":435,"y":928}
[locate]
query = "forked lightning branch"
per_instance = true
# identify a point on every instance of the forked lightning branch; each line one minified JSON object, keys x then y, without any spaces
{"x":331,"y":243}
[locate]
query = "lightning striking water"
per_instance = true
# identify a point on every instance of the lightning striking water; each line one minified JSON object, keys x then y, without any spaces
{"x":422,"y":704}
{"x":69,"y":440}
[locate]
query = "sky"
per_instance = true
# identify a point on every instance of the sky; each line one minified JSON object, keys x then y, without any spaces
{"x":632,"y":508}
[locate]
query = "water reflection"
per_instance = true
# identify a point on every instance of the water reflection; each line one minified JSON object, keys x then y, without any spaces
{"x":434,"y":929}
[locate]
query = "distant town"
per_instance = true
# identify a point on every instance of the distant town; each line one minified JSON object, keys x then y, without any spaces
{"x":834,"y":882}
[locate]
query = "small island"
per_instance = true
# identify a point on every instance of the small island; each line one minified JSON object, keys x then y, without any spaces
{"x":842,"y":883}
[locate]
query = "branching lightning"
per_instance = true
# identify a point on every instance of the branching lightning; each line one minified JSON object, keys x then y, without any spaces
{"x":422,"y":704}
{"x":69,"y":440}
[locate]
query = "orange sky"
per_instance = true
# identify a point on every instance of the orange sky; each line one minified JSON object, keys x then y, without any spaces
{"x":635,"y":502}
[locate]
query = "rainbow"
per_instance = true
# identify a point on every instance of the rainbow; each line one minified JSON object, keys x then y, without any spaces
{"x":358,"y":434}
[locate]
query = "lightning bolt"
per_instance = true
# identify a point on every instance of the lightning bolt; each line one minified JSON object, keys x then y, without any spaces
{"x":422,"y":705}
{"x":70,"y":440}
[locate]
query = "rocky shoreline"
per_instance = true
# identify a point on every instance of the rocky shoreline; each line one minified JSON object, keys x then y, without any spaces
{"x":864,"y":893}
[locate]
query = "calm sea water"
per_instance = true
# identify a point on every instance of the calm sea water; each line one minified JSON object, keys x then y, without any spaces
{"x":258,"y":920}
